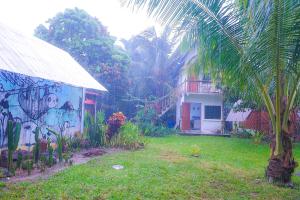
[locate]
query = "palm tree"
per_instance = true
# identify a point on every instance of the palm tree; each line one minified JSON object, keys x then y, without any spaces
{"x":254,"y":45}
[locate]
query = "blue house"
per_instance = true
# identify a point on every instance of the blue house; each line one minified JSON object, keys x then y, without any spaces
{"x":40,"y":85}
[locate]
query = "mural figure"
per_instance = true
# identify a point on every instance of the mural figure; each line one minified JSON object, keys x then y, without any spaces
{"x":36,"y":102}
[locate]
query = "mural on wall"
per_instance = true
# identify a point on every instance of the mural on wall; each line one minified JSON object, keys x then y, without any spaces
{"x":36,"y":102}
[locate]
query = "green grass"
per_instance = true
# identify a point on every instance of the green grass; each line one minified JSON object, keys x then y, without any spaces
{"x":228,"y":168}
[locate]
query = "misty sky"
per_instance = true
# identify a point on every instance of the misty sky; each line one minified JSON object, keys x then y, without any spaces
{"x":25,"y":15}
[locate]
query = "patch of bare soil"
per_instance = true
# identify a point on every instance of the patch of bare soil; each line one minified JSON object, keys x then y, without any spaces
{"x":78,"y":158}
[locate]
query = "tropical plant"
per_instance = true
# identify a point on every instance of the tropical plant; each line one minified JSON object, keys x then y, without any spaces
{"x":129,"y":137}
{"x":251,"y":45}
{"x":195,"y":150}
{"x":13,"y":131}
{"x":19,"y":159}
{"x":36,"y":148}
{"x":100,"y":129}
{"x":115,"y":121}
{"x":27,"y":164}
{"x":50,"y":161}
{"x":59,"y":142}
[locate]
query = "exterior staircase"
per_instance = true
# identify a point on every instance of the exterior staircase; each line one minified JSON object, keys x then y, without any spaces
{"x":165,"y":103}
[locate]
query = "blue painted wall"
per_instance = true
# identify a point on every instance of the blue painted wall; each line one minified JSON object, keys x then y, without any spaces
{"x":36,"y":102}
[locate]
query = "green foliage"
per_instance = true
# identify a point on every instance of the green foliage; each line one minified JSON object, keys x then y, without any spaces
{"x":100,"y":129}
{"x":13,"y":131}
{"x":50,"y":154}
{"x":129,"y":137}
{"x":36,"y":149}
{"x":27,"y":164}
{"x":87,"y":40}
{"x":195,"y":150}
{"x":74,"y":142}
{"x":258,"y":137}
{"x":229,"y":168}
{"x":95,"y":130}
{"x":19,"y":159}
{"x":243,"y":133}
{"x":59,"y":141}
{"x":153,"y":72}
{"x":115,"y":121}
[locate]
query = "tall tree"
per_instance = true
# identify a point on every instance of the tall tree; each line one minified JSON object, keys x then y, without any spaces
{"x":252,"y":44}
{"x":88,"y":41}
{"x":152,"y":70}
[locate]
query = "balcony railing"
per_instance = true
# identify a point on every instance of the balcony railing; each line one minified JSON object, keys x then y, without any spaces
{"x":200,"y":87}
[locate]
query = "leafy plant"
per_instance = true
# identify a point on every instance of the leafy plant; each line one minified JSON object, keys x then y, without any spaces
{"x":43,"y":163}
{"x":19,"y":159}
{"x":36,"y":149}
{"x":59,"y":142}
{"x":258,"y":137}
{"x":195,"y":150}
{"x":100,"y":129}
{"x":95,"y":130}
{"x":129,"y":137}
{"x":115,"y":121}
{"x":27,"y":165}
{"x":50,"y":154}
{"x":13,"y":131}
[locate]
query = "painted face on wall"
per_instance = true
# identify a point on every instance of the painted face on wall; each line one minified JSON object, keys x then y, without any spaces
{"x":52,"y":101}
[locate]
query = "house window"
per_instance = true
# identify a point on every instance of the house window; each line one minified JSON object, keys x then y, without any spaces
{"x":212,"y":112}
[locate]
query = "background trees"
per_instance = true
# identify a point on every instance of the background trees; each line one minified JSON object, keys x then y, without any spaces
{"x":251,"y":45}
{"x":88,"y":41}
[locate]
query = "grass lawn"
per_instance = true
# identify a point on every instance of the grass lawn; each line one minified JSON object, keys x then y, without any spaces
{"x":229,"y":168}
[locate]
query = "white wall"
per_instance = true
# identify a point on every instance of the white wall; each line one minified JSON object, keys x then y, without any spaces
{"x":208,"y":126}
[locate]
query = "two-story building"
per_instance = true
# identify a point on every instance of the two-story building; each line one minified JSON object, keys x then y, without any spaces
{"x":199,"y":107}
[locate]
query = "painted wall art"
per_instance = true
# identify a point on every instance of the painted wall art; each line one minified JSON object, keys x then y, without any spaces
{"x":36,"y":102}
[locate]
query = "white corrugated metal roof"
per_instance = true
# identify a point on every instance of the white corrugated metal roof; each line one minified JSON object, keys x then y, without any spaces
{"x":238,"y":116}
{"x":31,"y":56}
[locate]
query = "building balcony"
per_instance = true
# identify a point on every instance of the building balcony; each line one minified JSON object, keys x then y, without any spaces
{"x":199,"y":87}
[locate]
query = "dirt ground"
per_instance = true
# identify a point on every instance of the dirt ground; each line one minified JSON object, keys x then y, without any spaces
{"x":78,"y":158}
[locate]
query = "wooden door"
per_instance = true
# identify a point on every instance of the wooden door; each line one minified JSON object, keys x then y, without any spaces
{"x":185,"y":116}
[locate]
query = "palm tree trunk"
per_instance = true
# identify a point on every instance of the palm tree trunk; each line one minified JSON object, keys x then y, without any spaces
{"x":281,"y":164}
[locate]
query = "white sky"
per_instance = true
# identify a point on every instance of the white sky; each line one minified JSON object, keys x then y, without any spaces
{"x":26,"y":15}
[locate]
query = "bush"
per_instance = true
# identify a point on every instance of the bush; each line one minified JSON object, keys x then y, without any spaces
{"x":129,"y":137}
{"x":195,"y":151}
{"x":156,"y":131}
{"x":100,"y":135}
{"x":150,"y":125}
{"x":243,"y":133}
{"x":114,"y":123}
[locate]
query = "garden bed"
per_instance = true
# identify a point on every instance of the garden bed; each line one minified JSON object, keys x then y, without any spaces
{"x":80,"y":157}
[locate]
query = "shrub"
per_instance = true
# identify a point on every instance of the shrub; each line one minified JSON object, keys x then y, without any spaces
{"x":243,"y":133}
{"x":19,"y":159}
{"x":74,"y":142}
{"x":101,"y":128}
{"x":27,"y":165}
{"x":115,"y":121}
{"x":195,"y":151}
{"x":95,"y":130}
{"x":157,"y":131}
{"x":129,"y":137}
{"x":50,"y":154}
{"x":257,"y":137}
{"x":150,"y":124}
